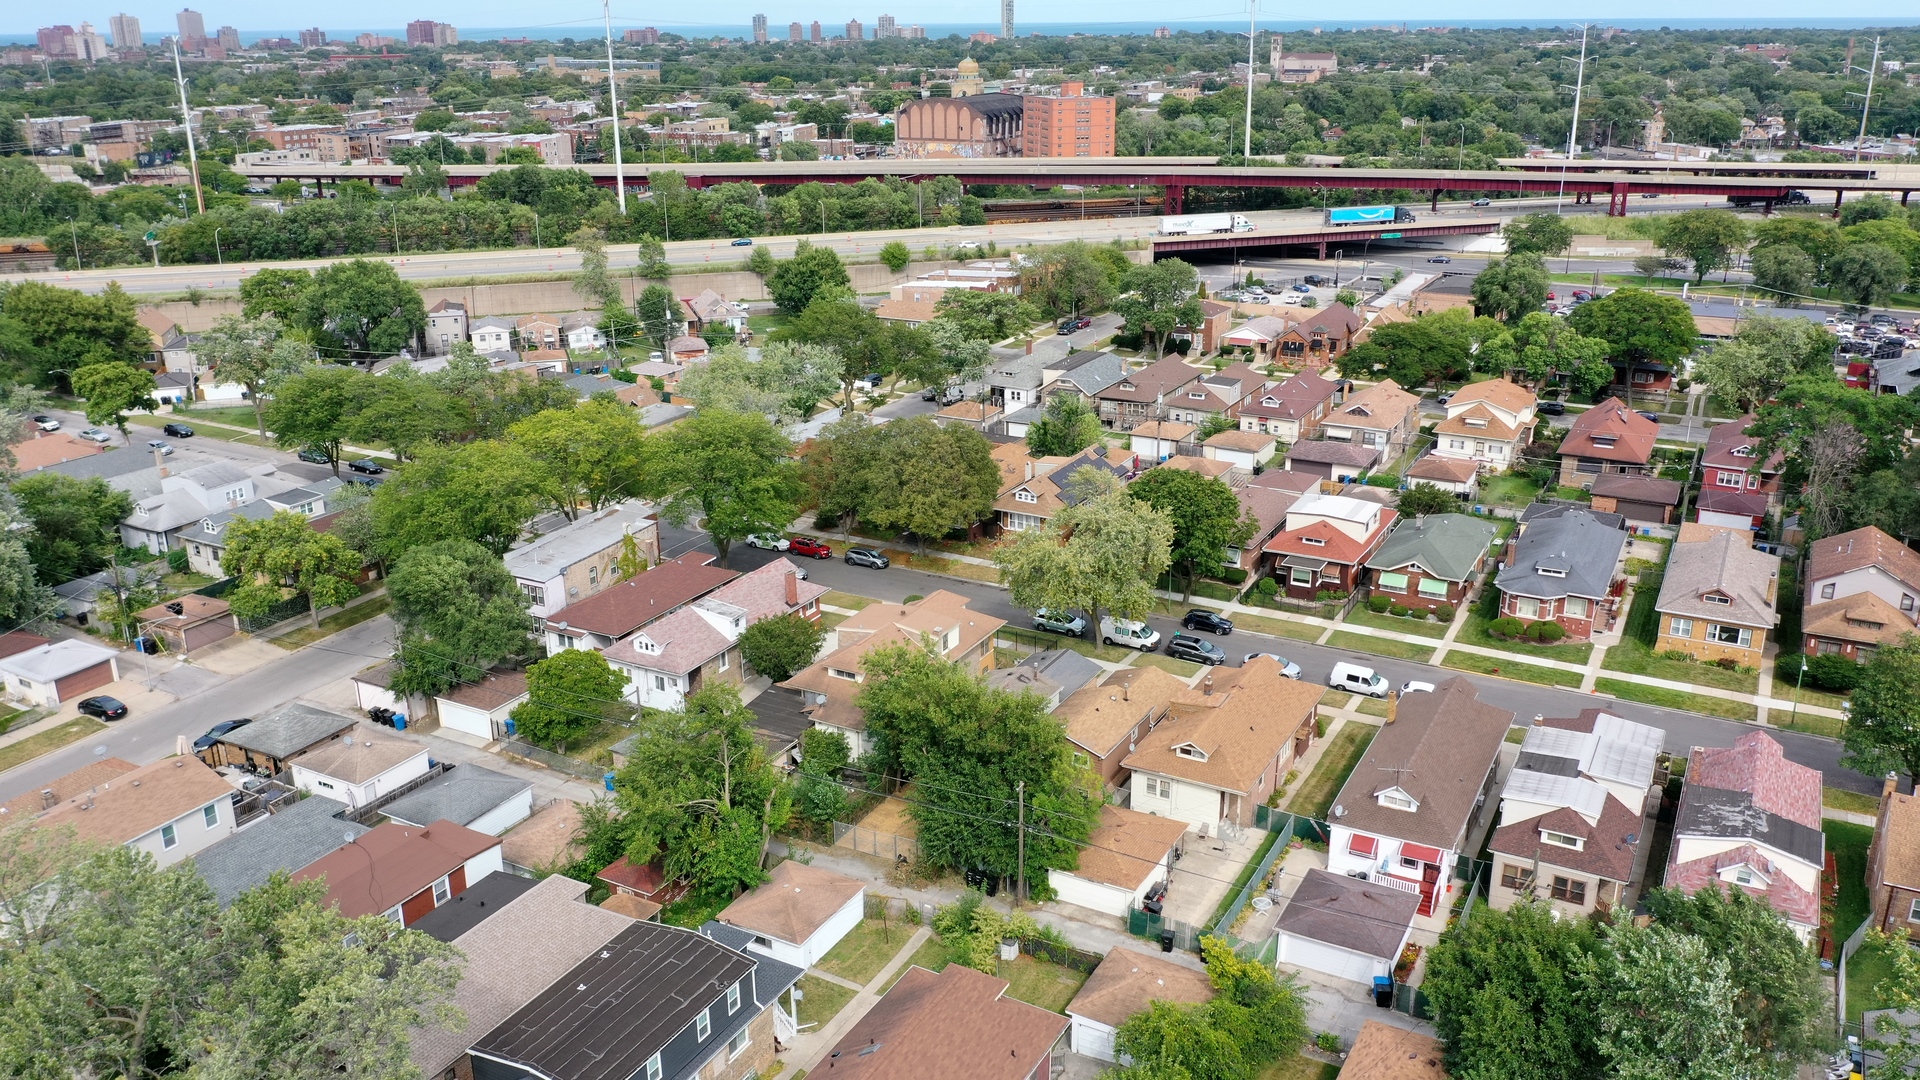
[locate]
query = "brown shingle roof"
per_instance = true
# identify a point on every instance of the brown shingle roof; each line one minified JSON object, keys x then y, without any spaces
{"x":1152,"y":382}
{"x":633,"y":907}
{"x":1900,"y":838}
{"x":90,"y":775}
{"x":1235,"y":439}
{"x":371,"y":753}
{"x":1097,"y":717}
{"x":1127,"y":847}
{"x":1503,"y":393}
{"x":621,"y":609}
{"x":1126,"y":982}
{"x":1366,"y":917}
{"x":1611,"y":432}
{"x":1489,"y":425}
{"x":795,"y":901}
{"x":1330,"y":452}
{"x":1240,"y":726}
{"x":1862,"y":618}
{"x":495,"y":689}
{"x":957,"y":1025}
{"x":1377,"y":408}
{"x":1724,"y":565}
{"x":1385,"y":1052}
{"x":1452,"y":470}
{"x":1294,"y":399}
{"x":1163,"y":429}
{"x":1608,"y":851}
{"x":1638,"y":489}
{"x":1859,"y":548}
{"x":1438,"y":750}
{"x":888,"y":624}
{"x":393,"y":862}
{"x":547,"y":840}
{"x":137,"y":802}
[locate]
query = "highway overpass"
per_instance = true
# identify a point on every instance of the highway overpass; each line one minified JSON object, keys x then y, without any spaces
{"x":1317,"y":236}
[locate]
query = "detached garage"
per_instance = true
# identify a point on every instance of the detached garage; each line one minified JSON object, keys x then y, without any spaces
{"x":799,"y":913}
{"x":1126,"y":856}
{"x":1125,"y":983}
{"x":1344,"y":927}
{"x":476,"y":713}
{"x":63,"y":670}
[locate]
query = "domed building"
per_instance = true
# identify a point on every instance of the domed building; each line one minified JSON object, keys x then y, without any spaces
{"x":968,"y":82}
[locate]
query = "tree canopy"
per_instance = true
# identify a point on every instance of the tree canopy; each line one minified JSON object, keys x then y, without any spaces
{"x":1206,"y":515}
{"x":1101,"y":554}
{"x":732,"y":471}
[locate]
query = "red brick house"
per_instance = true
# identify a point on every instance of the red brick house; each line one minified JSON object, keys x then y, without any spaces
{"x":1432,"y":560}
{"x":1325,"y":542}
{"x":1561,"y":566}
{"x":402,"y":871}
{"x":1608,"y":438}
{"x":1732,"y":462}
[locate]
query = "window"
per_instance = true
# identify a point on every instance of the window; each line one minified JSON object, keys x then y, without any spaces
{"x":1743,"y":876}
{"x":733,"y":999}
{"x":737,"y":1044}
{"x":1433,"y":588}
{"x":1906,"y":602}
{"x":660,"y":683}
{"x":442,"y":892}
{"x":1576,"y":607}
{"x":1680,"y":628}
{"x":1517,"y":878}
{"x":233,"y":495}
{"x":1565,"y":840}
{"x":653,"y":1067}
{"x":1571,"y":890}
{"x":1526,"y":607}
{"x":1025,"y":496}
{"x":703,"y":1025}
{"x":1717,"y":598}
{"x":1301,"y":576}
{"x":1314,"y":541}
{"x":1730,"y":635}
{"x":1396,"y":801}
{"x":1826,"y":591}
{"x":724,"y":661}
{"x":1729,"y":479}
{"x":211,"y":812}
{"x":1551,"y":571}
{"x":593,"y":575}
{"x":1159,"y":788}
{"x":536,"y":595}
{"x":167,"y":837}
{"x":1362,"y":845}
{"x":1392,"y":583}
{"x":1913,"y":911}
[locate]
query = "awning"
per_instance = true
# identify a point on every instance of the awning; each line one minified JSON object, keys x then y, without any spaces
{"x":1396,"y":582}
{"x":1303,"y":562}
{"x":1422,"y":852}
{"x":1363,"y":845}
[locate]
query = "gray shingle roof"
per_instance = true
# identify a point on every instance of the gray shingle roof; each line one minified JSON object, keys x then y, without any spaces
{"x":1567,"y":554}
{"x":1064,"y":668}
{"x":286,"y":840}
{"x":288,"y":730}
{"x":460,"y":795}
{"x":1723,"y":565}
{"x":1731,"y":815}
{"x":1362,"y":916}
{"x":1446,"y":545}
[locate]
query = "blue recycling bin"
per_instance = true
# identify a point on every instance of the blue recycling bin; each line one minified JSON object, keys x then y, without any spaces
{"x":608,"y":778}
{"x":510,"y":727}
{"x":399,"y":721}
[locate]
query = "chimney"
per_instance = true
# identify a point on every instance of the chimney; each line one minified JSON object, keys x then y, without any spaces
{"x":1891,"y":787}
{"x":1071,"y":89}
{"x":1206,"y":686}
{"x":1393,"y":705}
{"x":1029,"y":470}
{"x":160,"y":462}
{"x":793,"y":589}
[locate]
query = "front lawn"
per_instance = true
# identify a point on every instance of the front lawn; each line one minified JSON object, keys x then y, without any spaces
{"x":1316,"y":793}
{"x":1286,"y":628}
{"x":1475,"y":632}
{"x":46,"y":742}
{"x":333,"y":624}
{"x":1509,"y":669}
{"x":820,"y":1001}
{"x":1828,"y":726}
{"x":1421,"y":627}
{"x":865,"y":950}
{"x":1635,"y":658}
{"x":836,"y":598}
{"x":1783,"y":690}
{"x":1677,"y":699}
{"x":1850,"y":801}
{"x":1379,"y":646}
{"x":1185,"y":669}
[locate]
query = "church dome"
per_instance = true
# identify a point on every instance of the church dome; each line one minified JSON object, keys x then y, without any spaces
{"x":969,"y":66}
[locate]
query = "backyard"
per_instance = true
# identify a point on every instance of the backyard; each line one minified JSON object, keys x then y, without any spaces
{"x":820,"y":1001}
{"x":1036,"y":982}
{"x":865,"y":950}
{"x":1336,"y":764}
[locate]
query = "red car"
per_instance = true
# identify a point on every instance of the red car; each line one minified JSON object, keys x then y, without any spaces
{"x":807,"y":545}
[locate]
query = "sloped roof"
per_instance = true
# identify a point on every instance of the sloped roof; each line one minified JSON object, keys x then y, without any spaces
{"x":1577,"y":549}
{"x":61,"y":788}
{"x":288,"y":730}
{"x":1438,"y":750}
{"x":1861,"y":617}
{"x":1293,"y":399}
{"x":360,"y":756}
{"x":1503,"y":393}
{"x":1330,"y":452}
{"x":1451,"y":470}
{"x":1449,"y":546}
{"x":392,"y":862}
{"x":461,"y":795}
{"x":1231,"y":726}
{"x":1900,"y":839}
{"x":677,"y":644}
{"x":622,"y":608}
{"x":1756,"y":764}
{"x":289,"y":839}
{"x":1781,"y":892}
{"x":1127,"y":847}
{"x":1479,"y":422}
{"x":56,"y":660}
{"x":956,"y":1025}
{"x":762,"y":592}
{"x":1098,"y":717}
{"x":1611,"y":432}
{"x":1267,"y":506}
{"x":1609,"y":845}
{"x":1379,"y":407}
{"x":1128,"y":981}
{"x":1365,"y":917}
{"x":137,"y":802}
{"x":1725,"y":565}
{"x":793,"y":903}
{"x":495,"y":690}
{"x":1639,"y":489}
{"x":1725,"y":441}
{"x":1869,"y":546}
{"x":1235,"y":439}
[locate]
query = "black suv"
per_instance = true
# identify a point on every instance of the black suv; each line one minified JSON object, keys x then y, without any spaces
{"x":215,"y":732}
{"x":1551,"y":408}
{"x":1199,"y":619}
{"x":1182,"y":647}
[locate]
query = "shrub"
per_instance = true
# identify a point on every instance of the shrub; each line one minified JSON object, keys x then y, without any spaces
{"x":1266,"y":588}
{"x":911,"y":597}
{"x":1379,"y":604}
{"x":1834,"y":672}
{"x":1680,"y":655}
{"x":1727,"y":663}
{"x":1319,"y":726}
{"x":177,"y":560}
{"x":1328,"y":1042}
{"x":1506,"y":626}
{"x":1546,"y":631}
{"x":1233,"y":575}
{"x":1443,"y":612}
{"x":1398,"y":611}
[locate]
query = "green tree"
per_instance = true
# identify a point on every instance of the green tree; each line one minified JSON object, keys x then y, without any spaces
{"x":839,"y":468}
{"x":784,"y":385}
{"x":1866,"y":274}
{"x":483,"y":491}
{"x":1161,"y":296}
{"x":1066,"y":427}
{"x":24,"y":596}
{"x":732,"y":471}
{"x":1510,"y":288}
{"x":44,"y":329}
{"x":1638,"y":325}
{"x":1538,"y":234}
{"x":1895,"y":1036}
{"x":1709,"y":239}
{"x":313,"y":408}
{"x":401,"y":410}
{"x":836,"y":319}
{"x":1767,"y":351}
{"x":795,"y":281}
{"x":1423,"y":499}
{"x":591,"y":455}
{"x":1663,"y":1005}
{"x":362,"y":308}
{"x":762,"y":263}
{"x":930,"y":480}
{"x":986,"y":316}
{"x":593,"y":282}
{"x":1817,"y":238}
{"x":1504,"y":988}
{"x":112,"y":390}
{"x":1206,"y":515}
{"x":248,"y":352}
{"x":1172,"y":1041}
{"x":895,"y":255}
{"x":1784,"y":270}
{"x":281,"y":557}
{"x":1102,"y":554}
{"x":75,"y":523}
{"x":1883,"y":728}
{"x":1253,"y":1020}
{"x":1075,"y":278}
{"x":651,"y":259}
{"x":1540,"y":345}
{"x":823,"y":754}
{"x":569,"y":695}
{"x":459,"y":614}
{"x":659,"y":313}
{"x":780,"y":646}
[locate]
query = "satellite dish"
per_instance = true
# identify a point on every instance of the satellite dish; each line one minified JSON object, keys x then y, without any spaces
{"x":1339,"y":811}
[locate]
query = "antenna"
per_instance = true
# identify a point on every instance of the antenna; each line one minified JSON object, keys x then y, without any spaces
{"x":1401,"y":772}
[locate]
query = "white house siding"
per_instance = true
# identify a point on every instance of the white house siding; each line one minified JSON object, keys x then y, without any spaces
{"x":654,"y":689}
{"x":1804,"y":874}
{"x":1725,"y":520}
{"x":487,"y":862}
{"x":831,"y":931}
{"x":191,"y":834}
{"x":1092,"y":895}
{"x":1237,"y":458}
{"x":1330,"y":959}
{"x":1866,"y":579}
{"x":1192,"y":803}
{"x":465,"y":724}
{"x":360,"y":794}
{"x":1092,"y":1038}
{"x":505,"y":816}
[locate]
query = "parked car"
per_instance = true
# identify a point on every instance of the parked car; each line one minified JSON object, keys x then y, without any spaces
{"x":807,"y":545}
{"x":768,"y":542}
{"x":1183,"y":647}
{"x":1287,"y":667}
{"x":1445,"y":397}
{"x":1440,"y":259}
{"x":1357,"y":678}
{"x":46,"y":423}
{"x":177,"y":431}
{"x":1653,"y":416}
{"x":161,"y":445}
{"x":1301,"y":289}
{"x":216,"y":731}
{"x":1082,"y":323}
{"x":367,"y":465}
{"x":97,"y":435}
{"x":104,"y":707}
{"x":315,"y":457}
{"x":1059,"y":622}
{"x":744,"y":241}
{"x":858,"y":556}
{"x":1550,"y":408}
{"x":1210,"y":621}
{"x":1412,"y":686}
{"x":1132,"y":634}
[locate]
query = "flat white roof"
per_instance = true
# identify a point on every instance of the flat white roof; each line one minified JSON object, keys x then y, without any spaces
{"x":56,"y":660}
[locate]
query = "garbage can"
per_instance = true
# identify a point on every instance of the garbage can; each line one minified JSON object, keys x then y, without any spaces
{"x":1383,"y":991}
{"x":399,"y":721}
{"x":1166,"y":941}
{"x":608,"y":780}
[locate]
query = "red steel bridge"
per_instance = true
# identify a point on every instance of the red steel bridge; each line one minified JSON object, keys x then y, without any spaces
{"x":1582,"y":181}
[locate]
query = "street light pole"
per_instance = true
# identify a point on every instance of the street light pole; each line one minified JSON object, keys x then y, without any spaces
{"x":76,"y":243}
{"x":217,"y":256}
{"x":613,"y":105}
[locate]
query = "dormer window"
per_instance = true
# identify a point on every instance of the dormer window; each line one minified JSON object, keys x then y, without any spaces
{"x":1561,"y":839}
{"x":1743,"y":451}
{"x":1397,"y":800}
{"x":1313,"y":541}
{"x":1025,"y":496}
{"x":1475,"y":421}
{"x":1551,"y":571}
{"x":842,"y":673}
{"x":1188,"y":750}
{"x":1744,"y":876}
{"x":1716,"y":598}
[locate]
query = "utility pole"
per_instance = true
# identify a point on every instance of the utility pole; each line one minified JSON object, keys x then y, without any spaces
{"x":186,"y":120}
{"x":1020,"y":794}
{"x":1866,"y":100}
{"x":1246,"y":144}
{"x":613,"y":104}
{"x":1573,"y":129}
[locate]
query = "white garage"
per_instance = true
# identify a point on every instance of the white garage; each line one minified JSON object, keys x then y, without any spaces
{"x":799,"y":913}
{"x":1344,"y":927}
{"x":1125,"y":983}
{"x":1125,"y":857}
{"x":476,"y":713}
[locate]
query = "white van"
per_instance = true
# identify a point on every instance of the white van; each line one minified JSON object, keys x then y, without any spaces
{"x":1134,"y":635}
{"x":1358,"y":679}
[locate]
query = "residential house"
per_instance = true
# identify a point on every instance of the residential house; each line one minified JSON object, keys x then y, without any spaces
{"x":979,"y":415}
{"x":1142,"y":395}
{"x":1259,"y":334}
{"x":1014,"y":382}
{"x":477,"y":713}
{"x":710,"y":310}
{"x":1224,"y":746}
{"x":1563,"y":567}
{"x":513,"y":953}
{"x":664,"y":1002}
{"x":1608,"y":438}
{"x":1382,"y":417}
{"x":1432,"y":560}
{"x":1403,"y":815}
{"x":1717,"y":598}
{"x":170,"y":810}
{"x":1083,"y":375}
{"x":956,"y":1025}
{"x":51,"y":448}
{"x":1158,"y":440}
{"x":1106,"y":721}
{"x":613,"y":614}
{"x":1063,"y":671}
{"x":296,"y":834}
{"x":1338,"y":462}
{"x":269,"y":744}
{"x":1727,"y":509}
{"x":687,"y":349}
{"x":1731,"y":461}
{"x":1126,"y":983}
{"x":1489,"y":423}
{"x":1321,"y":336}
{"x":1267,"y":507}
{"x":1574,"y":812}
{"x":1215,"y":320}
{"x":538,"y":332}
{"x":360,"y":767}
{"x":1385,"y":1052}
{"x":47,"y":675}
{"x":1347,"y":927}
{"x":580,"y":332}
{"x":1126,"y":864}
{"x":646,"y":881}
{"x":1291,"y":410}
{"x":1751,"y":819}
{"x":1247,"y":450}
{"x":1845,"y":567}
{"x":583,"y":556}
{"x":403,"y":871}
{"x":491,"y":335}
{"x":1326,"y":541}
{"x":539,"y":362}
{"x":942,"y":618}
{"x":799,"y":913}
{"x":185,"y":499}
{"x":908,"y":313}
{"x":1034,"y":489}
{"x":446,"y":326}
{"x":189,"y":623}
{"x":692,"y":648}
{"x":1448,"y":474}
{"x":1893,"y":861}
{"x":205,"y":539}
{"x":1646,"y":499}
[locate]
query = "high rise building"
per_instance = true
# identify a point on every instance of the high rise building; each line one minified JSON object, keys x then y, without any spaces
{"x":646,"y":35}
{"x":312,"y":37}
{"x":87,"y":44}
{"x":814,"y":34}
{"x":126,"y":31}
{"x":796,"y":32}
{"x":428,"y":32}
{"x":229,"y":39}
{"x":56,"y":40}
{"x":856,"y":32}
{"x":1006,"y":20}
{"x":760,"y":29}
{"x":886,"y":29}
{"x":917,"y":33}
{"x":193,"y":29}
{"x":445,"y":34}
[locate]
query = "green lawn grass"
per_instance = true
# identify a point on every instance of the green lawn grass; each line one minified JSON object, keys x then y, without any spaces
{"x":237,"y":415}
{"x":333,"y":624}
{"x":1336,"y":764}
{"x":836,"y":598}
{"x":1507,"y":490}
{"x":932,"y":955}
{"x":1848,"y":843}
{"x":1362,"y":616}
{"x":831,"y":619}
{"x":1032,"y":640}
{"x":1783,"y":691}
{"x":1299,"y":1067}
{"x":1371,"y":707}
{"x":1852,"y":801}
{"x":1676,"y":699}
{"x":865,"y":950}
{"x":1510,"y":669}
{"x":820,"y":1001}
{"x":1828,"y":726}
{"x":1286,"y":628}
{"x":1037,"y":982}
{"x":8,"y":716}
{"x":1376,"y":646}
{"x":1637,"y":659}
{"x":1516,"y":735}
{"x":1475,"y":632}
{"x":46,"y":742}
{"x":1337,"y":699}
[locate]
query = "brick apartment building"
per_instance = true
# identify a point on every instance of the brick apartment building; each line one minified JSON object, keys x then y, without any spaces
{"x":1071,"y":125}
